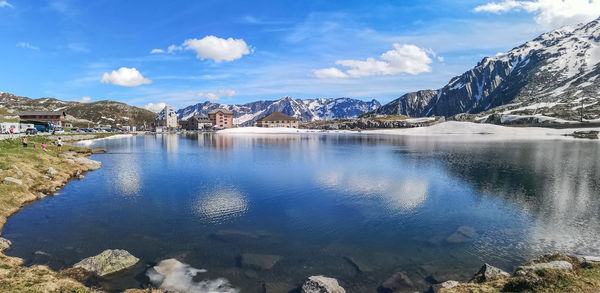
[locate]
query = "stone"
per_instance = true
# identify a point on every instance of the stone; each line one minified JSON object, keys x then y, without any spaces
{"x":360,"y":266}
{"x":488,"y":273}
{"x":108,"y":262}
{"x":437,"y":288}
{"x":20,"y":173}
{"x":80,"y":177}
{"x":0,"y":170}
{"x":13,"y":180}
{"x":4,"y":244}
{"x":462,"y":234}
{"x":397,"y":283}
{"x":71,"y":161}
{"x":322,"y":284}
{"x":259,"y":261}
{"x":51,"y":171}
{"x":41,"y":195}
{"x":561,"y":265}
{"x":90,"y":164}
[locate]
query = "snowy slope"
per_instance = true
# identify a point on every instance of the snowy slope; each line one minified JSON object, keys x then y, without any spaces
{"x":556,"y":68}
{"x":304,"y":110}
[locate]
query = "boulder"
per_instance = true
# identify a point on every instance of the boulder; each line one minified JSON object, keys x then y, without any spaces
{"x":259,"y":261}
{"x":13,"y":180}
{"x":322,"y":284}
{"x":108,"y":262}
{"x":41,"y":195}
{"x":587,"y":260}
{"x":488,"y":273}
{"x":360,"y":266}
{"x":398,"y":282}
{"x":90,"y":164}
{"x":80,"y":177}
{"x":462,"y":234}
{"x":561,"y":265}
{"x":437,"y":288}
{"x":4,"y":244}
{"x":51,"y":171}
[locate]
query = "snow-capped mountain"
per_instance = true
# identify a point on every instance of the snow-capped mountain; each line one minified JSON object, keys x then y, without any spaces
{"x":304,"y":110}
{"x":552,"y":75}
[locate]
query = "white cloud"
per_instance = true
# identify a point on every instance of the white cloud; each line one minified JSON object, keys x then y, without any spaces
{"x":155,"y":107}
{"x":403,"y":59}
{"x":331,"y":72}
{"x":125,"y":77}
{"x":217,"y":49}
{"x":213,"y":95}
{"x":27,"y":45}
{"x":173,"y":48}
{"x":4,"y":3}
{"x":84,"y":99}
{"x":549,"y":14}
{"x":157,"y":51}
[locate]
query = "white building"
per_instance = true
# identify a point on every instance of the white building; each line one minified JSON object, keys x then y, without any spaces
{"x":166,"y":117}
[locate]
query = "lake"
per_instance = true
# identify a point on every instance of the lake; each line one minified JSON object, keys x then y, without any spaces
{"x":358,"y":208}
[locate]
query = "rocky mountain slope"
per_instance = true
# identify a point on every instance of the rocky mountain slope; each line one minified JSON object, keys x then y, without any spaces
{"x":549,"y":78}
{"x":304,"y":110}
{"x":101,"y":112}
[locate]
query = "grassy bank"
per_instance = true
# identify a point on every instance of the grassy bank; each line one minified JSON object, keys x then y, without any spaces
{"x":584,"y":277}
{"x":30,"y":166}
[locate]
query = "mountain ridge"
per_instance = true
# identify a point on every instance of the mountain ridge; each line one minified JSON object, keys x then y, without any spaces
{"x":302,"y":109}
{"x":558,"y":68}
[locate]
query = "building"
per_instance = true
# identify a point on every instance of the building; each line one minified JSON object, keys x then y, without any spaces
{"x":277,"y":119}
{"x":167,"y":118}
{"x":54,"y":117}
{"x":221,"y":118}
{"x":196,"y":123}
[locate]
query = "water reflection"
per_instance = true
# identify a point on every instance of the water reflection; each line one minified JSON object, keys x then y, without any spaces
{"x":402,"y":194}
{"x":221,"y":204}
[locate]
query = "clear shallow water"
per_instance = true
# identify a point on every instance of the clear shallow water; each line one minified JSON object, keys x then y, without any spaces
{"x":357,"y":208}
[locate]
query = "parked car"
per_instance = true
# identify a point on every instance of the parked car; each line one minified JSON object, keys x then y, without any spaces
{"x":31,"y":131}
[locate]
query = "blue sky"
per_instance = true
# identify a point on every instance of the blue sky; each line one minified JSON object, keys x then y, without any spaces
{"x":241,"y":51}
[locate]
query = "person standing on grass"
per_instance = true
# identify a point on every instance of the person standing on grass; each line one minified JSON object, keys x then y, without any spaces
{"x":59,"y":144}
{"x":11,"y":131}
{"x":25,"y":141}
{"x":43,"y":146}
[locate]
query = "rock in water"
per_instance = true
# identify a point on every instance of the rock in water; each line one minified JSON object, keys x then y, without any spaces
{"x":4,"y":244}
{"x":561,"y":265}
{"x":398,"y":282}
{"x":462,"y":234}
{"x":108,"y":262}
{"x":488,"y":273}
{"x":13,"y":180}
{"x":321,"y":284}
{"x":259,"y":261}
{"x":446,"y":285}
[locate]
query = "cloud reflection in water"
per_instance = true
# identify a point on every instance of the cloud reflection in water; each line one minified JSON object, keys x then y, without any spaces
{"x":221,"y":205}
{"x":397,"y":194}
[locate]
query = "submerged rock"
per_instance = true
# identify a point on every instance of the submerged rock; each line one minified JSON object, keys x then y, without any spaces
{"x":462,"y":234}
{"x":360,"y":266}
{"x":397,"y":283}
{"x":488,"y":273}
{"x":322,"y":284}
{"x":437,"y":288}
{"x":108,"y":262}
{"x":259,"y":261}
{"x":13,"y":180}
{"x":4,"y":244}
{"x":561,"y":265}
